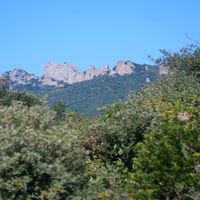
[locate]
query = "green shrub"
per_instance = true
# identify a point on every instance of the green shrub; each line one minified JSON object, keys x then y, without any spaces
{"x":38,"y":160}
{"x":123,"y":125}
{"x":7,"y":97}
{"x":115,"y":136}
{"x":187,"y":60}
{"x":168,"y":161}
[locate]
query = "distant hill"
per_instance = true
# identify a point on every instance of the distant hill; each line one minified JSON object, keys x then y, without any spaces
{"x":62,"y":74}
{"x":87,"y":97}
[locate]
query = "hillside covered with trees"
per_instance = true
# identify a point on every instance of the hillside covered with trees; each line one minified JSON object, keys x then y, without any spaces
{"x":147,"y":147}
{"x":88,"y":97}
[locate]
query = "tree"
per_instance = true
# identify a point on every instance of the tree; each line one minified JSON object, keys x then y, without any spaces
{"x":7,"y":97}
{"x":59,"y":108}
{"x":187,"y":60}
{"x":38,"y":159}
{"x":3,"y":86}
{"x":167,"y":164}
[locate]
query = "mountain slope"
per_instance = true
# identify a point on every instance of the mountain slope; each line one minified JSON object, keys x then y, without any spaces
{"x":87,"y":97}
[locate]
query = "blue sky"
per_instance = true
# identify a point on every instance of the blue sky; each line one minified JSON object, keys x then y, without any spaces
{"x":84,"y":32}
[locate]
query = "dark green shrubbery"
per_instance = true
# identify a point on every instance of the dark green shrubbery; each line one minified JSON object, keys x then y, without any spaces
{"x":167,"y":164}
{"x":38,"y":160}
{"x":7,"y":97}
{"x":121,"y":130}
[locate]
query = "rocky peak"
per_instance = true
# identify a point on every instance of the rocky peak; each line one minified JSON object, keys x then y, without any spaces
{"x":61,"y":72}
{"x":56,"y":74}
{"x":103,"y":70}
{"x":123,"y":68}
{"x":90,"y":73}
{"x":19,"y":76}
{"x":93,"y":72}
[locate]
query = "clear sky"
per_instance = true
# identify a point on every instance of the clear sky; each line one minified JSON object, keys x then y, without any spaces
{"x":84,"y":32}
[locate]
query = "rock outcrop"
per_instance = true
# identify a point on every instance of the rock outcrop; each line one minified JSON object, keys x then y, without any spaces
{"x":61,"y":72}
{"x":123,"y":68}
{"x":68,"y":73}
{"x":93,"y":72}
{"x":20,"y":76}
{"x":56,"y":74}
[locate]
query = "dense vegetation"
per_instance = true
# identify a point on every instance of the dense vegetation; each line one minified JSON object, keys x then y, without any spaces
{"x":89,"y":96}
{"x":7,"y":97}
{"x":146,"y":148}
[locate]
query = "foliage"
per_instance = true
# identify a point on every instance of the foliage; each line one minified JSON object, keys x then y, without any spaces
{"x":7,"y":97}
{"x":168,"y":165}
{"x":154,"y":136}
{"x":105,"y":181}
{"x":24,"y":97}
{"x":59,"y":108}
{"x":123,"y":125}
{"x":186,"y":60}
{"x":115,"y":136}
{"x":3,"y":86}
{"x":38,"y":160}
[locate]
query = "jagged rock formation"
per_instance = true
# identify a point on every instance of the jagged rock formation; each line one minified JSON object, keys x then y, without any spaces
{"x":19,"y":76}
{"x":68,"y":73}
{"x":61,"y":72}
{"x":56,"y":74}
{"x":93,"y":72}
{"x":123,"y":68}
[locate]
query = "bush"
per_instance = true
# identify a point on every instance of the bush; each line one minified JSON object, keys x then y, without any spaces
{"x":38,"y":160}
{"x":115,"y":137}
{"x":7,"y":97}
{"x":187,"y":60}
{"x":123,"y":125}
{"x":168,"y":165}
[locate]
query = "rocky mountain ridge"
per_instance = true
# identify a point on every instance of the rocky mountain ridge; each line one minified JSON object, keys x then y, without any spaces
{"x":56,"y":74}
